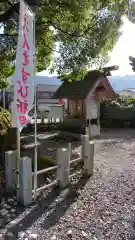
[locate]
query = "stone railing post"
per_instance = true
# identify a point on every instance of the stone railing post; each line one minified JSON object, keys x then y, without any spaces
{"x":25,"y":181}
{"x":10,"y":166}
{"x":88,"y":154}
{"x":63,"y":162}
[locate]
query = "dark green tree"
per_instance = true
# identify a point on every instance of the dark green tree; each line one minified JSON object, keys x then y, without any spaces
{"x":77,"y":34}
{"x":132,"y":62}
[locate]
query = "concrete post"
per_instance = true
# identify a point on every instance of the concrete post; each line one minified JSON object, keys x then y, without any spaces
{"x":54,"y":120}
{"x":63,"y":162}
{"x":89,"y":161}
{"x":88,"y":154}
{"x":98,"y":121}
{"x":50,"y":120}
{"x":85,"y":143}
{"x":42,"y":119}
{"x":25,"y":181}
{"x":98,"y":127}
{"x":10,"y":166}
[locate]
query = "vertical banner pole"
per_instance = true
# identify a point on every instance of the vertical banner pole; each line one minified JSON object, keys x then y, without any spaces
{"x":35,"y":117}
{"x":23,"y":73}
{"x":18,"y":156}
{"x":89,"y":129}
{"x":18,"y":147}
{"x":90,"y":134}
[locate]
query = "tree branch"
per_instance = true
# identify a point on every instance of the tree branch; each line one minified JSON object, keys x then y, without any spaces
{"x":8,"y":13}
{"x":15,"y":8}
{"x":73,"y":34}
{"x":53,"y":50}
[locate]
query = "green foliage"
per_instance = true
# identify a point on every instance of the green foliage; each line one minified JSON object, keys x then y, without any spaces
{"x":123,"y":108}
{"x":46,"y":161}
{"x":7,"y":57}
{"x":125,"y":100}
{"x":5,"y":121}
{"x":44,"y":51}
{"x":5,"y":72}
{"x":74,"y":76}
{"x":85,"y":31}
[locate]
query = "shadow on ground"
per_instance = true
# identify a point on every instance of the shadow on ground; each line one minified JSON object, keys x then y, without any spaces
{"x":44,"y":206}
{"x":120,"y":134}
{"x":114,"y":137}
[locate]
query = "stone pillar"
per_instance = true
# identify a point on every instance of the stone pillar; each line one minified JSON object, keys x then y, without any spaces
{"x":42,"y":119}
{"x":63,"y":162}
{"x":54,"y":119}
{"x":98,"y":121}
{"x":88,"y":154}
{"x":89,"y":161}
{"x":85,"y":143}
{"x":25,"y":181}
{"x":10,"y":166}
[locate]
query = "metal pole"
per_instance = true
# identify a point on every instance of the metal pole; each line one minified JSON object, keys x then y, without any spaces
{"x":90,"y":137}
{"x":18,"y":158}
{"x":35,"y":117}
{"x":90,"y":134}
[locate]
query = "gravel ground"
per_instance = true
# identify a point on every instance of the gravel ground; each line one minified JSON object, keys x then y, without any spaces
{"x":99,"y":208}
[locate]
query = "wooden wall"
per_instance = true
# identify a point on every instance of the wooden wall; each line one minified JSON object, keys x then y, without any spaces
{"x":92,"y":106}
{"x":106,"y":92}
{"x":77,"y":107}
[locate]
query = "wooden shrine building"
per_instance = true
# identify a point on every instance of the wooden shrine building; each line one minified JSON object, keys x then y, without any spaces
{"x":84,"y":101}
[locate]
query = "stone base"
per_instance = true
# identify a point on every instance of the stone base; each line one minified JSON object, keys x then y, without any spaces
{"x":95,"y":131}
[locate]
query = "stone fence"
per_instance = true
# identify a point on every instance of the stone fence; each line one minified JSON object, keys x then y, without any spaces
{"x":63,"y":163}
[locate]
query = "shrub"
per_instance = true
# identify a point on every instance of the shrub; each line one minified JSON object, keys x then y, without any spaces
{"x":45,"y":161}
{"x":118,"y":113}
{"x":5,"y":121}
{"x":5,"y":125}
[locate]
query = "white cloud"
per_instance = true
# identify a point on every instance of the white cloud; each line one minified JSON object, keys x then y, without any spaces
{"x":123,"y":49}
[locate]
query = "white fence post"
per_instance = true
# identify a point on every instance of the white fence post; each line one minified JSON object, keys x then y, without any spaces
{"x":63,"y":162}
{"x":89,"y":163}
{"x":88,"y":154}
{"x":85,"y":142}
{"x":25,"y":181}
{"x":10,"y":166}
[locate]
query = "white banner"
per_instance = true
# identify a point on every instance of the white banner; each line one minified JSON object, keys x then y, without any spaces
{"x":24,"y":72}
